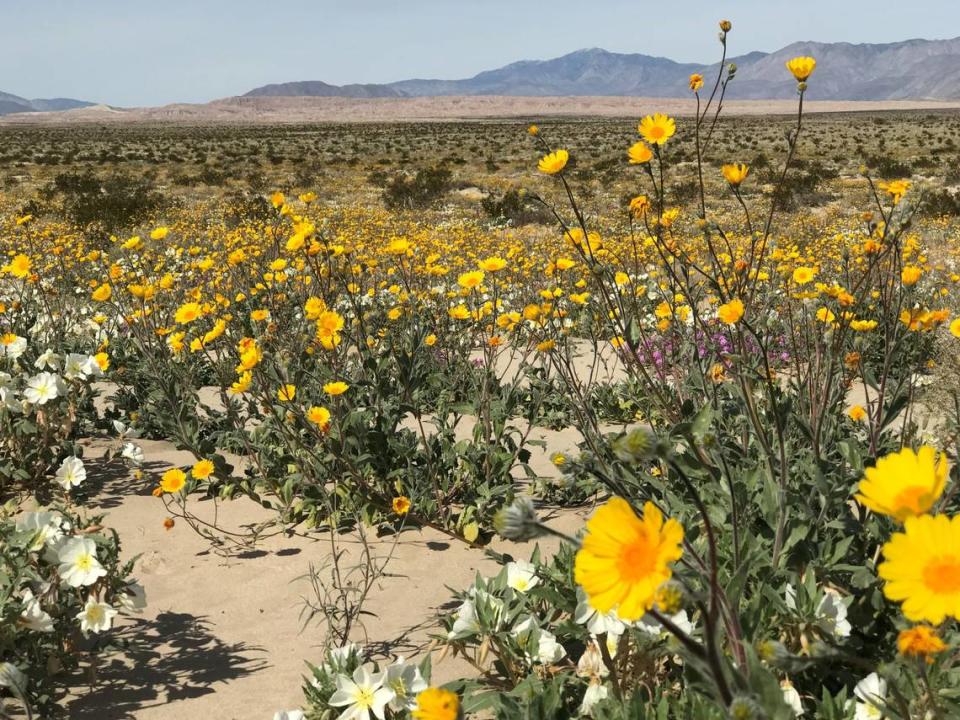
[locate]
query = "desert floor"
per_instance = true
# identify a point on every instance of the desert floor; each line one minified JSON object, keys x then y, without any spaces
{"x":257,"y":110}
{"x":223,"y":636}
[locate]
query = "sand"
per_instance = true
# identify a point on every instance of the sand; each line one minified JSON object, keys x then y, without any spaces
{"x":297,"y":110}
{"x":224,"y":637}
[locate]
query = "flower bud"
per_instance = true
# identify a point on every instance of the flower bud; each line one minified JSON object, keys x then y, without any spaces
{"x":772,"y":652}
{"x":518,"y":521}
{"x":633,"y":447}
{"x":745,"y":708}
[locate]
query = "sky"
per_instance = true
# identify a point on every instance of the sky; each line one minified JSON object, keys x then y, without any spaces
{"x":134,"y":53}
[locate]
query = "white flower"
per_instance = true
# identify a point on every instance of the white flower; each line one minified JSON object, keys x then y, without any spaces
{"x":124,"y":431}
{"x":590,"y":664}
{"x":548,"y":649}
{"x":11,"y":677}
{"x":46,"y":525}
{"x":8,"y":397}
{"x":289,"y":715}
{"x":71,"y":473}
{"x":49,"y":360}
{"x":338,"y":658}
{"x":133,"y":453}
{"x":650,"y":626}
{"x":833,"y":614}
{"x":78,"y":562}
{"x":42,"y":388}
{"x":870,"y":693}
{"x":33,"y":616}
{"x":521,"y":575}
{"x":78,"y":366}
{"x":133,"y":597}
{"x":406,"y":682}
{"x":596,"y":622}
{"x":361,"y":695}
{"x":466,"y":623}
{"x":96,"y":616}
{"x":14,"y":348}
{"x":594,"y":694}
{"x":791,"y":697}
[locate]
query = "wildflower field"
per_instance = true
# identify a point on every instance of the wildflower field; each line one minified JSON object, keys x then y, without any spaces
{"x":641,"y":418}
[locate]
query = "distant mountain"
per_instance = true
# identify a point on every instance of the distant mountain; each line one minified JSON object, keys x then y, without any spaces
{"x":316,"y":88}
{"x":16,"y":104}
{"x":912,"y":69}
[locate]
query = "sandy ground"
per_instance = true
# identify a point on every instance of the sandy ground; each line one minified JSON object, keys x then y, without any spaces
{"x":256,"y":110}
{"x":223,"y":637}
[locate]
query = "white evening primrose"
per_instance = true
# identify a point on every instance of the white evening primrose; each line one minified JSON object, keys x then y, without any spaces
{"x":96,"y":617}
{"x":33,"y":616}
{"x":406,"y":682}
{"x":521,"y":575}
{"x":46,"y":526}
{"x":361,"y":695}
{"x":80,"y":367}
{"x":833,"y":614}
{"x":596,"y":692}
{"x":791,"y":697}
{"x":78,"y":562}
{"x":42,"y":388}
{"x":597,"y":623}
{"x":871,"y":694}
{"x":71,"y":473}
{"x":49,"y":360}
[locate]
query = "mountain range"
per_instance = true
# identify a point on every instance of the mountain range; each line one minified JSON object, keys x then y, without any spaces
{"x":912,"y":69}
{"x":16,"y":104}
{"x":908,"y":70}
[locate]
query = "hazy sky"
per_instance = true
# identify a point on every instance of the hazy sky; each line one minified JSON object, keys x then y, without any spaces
{"x":132,"y":52}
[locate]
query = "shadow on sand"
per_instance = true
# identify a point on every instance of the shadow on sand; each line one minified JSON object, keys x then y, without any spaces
{"x":170,"y":658}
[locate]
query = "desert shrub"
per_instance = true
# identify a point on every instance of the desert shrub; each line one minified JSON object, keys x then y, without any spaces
{"x":111,"y":203}
{"x":422,"y":190}
{"x":246,"y":208}
{"x":888,"y":167}
{"x":939,"y":203}
{"x":517,"y":207}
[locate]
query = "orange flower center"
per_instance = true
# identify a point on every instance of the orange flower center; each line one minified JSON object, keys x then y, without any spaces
{"x":942,"y":574}
{"x":913,"y":498}
{"x":637,"y":559}
{"x":656,"y":132}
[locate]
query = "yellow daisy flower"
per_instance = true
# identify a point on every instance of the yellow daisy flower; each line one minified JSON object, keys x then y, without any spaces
{"x":904,"y":484}
{"x":656,"y":129}
{"x":625,"y":559}
{"x":921,"y":568}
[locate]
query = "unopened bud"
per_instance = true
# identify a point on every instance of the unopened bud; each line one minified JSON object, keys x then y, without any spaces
{"x":772,"y":652}
{"x":518,"y":521}
{"x":745,"y":708}
{"x":633,"y":447}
